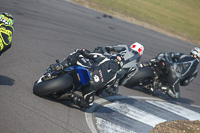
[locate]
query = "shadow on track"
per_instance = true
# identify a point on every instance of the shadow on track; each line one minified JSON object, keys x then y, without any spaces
{"x":162,"y":96}
{"x":4,"y":80}
{"x":64,"y":102}
{"x":157,"y":94}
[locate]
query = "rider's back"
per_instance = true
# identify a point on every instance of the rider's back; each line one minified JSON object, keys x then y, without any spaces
{"x":187,"y":66}
{"x":6,"y":32}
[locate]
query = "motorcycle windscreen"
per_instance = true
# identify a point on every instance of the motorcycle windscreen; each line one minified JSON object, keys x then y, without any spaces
{"x":83,"y":74}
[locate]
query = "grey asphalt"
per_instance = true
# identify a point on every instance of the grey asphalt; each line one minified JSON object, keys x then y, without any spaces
{"x":46,"y":30}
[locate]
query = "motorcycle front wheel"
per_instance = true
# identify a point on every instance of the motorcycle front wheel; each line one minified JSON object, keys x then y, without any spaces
{"x":44,"y":88}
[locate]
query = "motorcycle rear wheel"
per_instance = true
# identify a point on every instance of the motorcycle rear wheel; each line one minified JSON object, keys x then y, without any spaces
{"x":142,"y":74}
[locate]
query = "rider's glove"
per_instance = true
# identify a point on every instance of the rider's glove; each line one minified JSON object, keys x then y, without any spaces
{"x":153,"y":60}
{"x":99,"y":50}
{"x":146,"y":64}
{"x":160,"y":56}
{"x":57,"y":67}
{"x":109,"y":48}
{"x":159,"y":61}
{"x":77,"y":50}
{"x":81,"y":51}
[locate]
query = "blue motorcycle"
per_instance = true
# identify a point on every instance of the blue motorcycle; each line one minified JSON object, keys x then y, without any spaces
{"x":67,"y":80}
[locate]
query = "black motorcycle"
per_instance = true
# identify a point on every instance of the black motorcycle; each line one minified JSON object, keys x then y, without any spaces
{"x":152,"y":77}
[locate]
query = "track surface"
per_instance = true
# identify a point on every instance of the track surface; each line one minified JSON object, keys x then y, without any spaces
{"x":46,"y":30}
{"x":135,"y":114}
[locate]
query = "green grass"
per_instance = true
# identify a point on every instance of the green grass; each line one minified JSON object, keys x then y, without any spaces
{"x":181,"y":17}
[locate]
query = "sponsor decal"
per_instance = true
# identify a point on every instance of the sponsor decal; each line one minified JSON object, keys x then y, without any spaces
{"x":96,"y":78}
{"x":101,"y":75}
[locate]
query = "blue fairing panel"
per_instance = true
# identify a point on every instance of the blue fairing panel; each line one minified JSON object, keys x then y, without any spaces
{"x":84,"y":74}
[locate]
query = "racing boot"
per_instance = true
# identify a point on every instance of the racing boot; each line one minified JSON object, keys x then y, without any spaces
{"x":113,"y":90}
{"x":75,"y":100}
{"x":99,"y":92}
{"x":174,"y":92}
{"x":80,"y":101}
{"x":156,"y":86}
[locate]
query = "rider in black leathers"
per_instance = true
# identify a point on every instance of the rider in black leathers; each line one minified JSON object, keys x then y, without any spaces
{"x":103,"y":72}
{"x":130,"y":56}
{"x":181,"y":69}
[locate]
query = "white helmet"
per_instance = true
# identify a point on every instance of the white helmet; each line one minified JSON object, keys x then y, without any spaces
{"x":195,"y":52}
{"x":138,"y":48}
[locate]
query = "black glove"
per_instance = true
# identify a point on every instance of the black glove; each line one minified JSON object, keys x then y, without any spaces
{"x":146,"y":64}
{"x":109,"y":48}
{"x":81,"y":51}
{"x":98,"y":50}
{"x":159,"y":60}
{"x":78,"y":50}
{"x":57,"y":67}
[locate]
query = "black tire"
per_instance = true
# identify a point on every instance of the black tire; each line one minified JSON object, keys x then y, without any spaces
{"x":143,"y":73}
{"x":48,"y":87}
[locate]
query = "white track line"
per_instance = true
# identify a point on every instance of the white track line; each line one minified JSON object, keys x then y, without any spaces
{"x":89,"y":116}
{"x":135,"y":113}
{"x":111,"y":127}
{"x":176,"y":109}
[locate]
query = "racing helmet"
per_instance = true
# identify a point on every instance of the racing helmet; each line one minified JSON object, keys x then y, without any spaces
{"x":195,"y":52}
{"x":7,"y":18}
{"x":138,"y":48}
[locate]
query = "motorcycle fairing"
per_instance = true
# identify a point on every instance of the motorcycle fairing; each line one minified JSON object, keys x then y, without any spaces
{"x":82,"y":73}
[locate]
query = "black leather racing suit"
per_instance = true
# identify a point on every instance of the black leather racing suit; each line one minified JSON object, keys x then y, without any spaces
{"x":129,"y":62}
{"x":103,"y":72}
{"x":181,"y":69}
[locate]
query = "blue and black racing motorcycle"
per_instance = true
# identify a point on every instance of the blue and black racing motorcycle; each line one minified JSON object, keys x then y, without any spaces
{"x":69,"y":80}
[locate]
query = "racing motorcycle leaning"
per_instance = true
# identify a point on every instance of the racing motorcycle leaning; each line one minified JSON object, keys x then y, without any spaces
{"x":151,"y":77}
{"x":56,"y":82}
{"x":98,"y":74}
